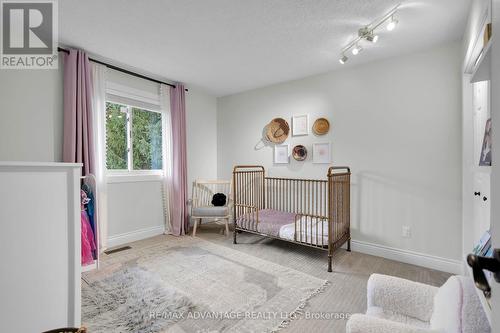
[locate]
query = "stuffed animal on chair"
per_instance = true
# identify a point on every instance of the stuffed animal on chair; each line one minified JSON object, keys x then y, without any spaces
{"x":219,"y":199}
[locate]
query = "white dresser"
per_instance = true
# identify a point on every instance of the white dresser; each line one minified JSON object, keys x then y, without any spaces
{"x":39,"y":246}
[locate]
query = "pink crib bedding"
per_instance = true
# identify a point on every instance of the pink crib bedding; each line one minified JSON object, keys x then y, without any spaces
{"x":270,"y":221}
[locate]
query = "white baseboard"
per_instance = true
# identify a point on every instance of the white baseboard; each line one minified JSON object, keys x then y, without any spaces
{"x":409,"y":257}
{"x":133,"y":236}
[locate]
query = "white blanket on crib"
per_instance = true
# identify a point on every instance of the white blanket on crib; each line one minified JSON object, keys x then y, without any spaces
{"x":304,"y":229}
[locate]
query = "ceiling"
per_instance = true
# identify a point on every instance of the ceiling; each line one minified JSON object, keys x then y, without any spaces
{"x":229,"y":46}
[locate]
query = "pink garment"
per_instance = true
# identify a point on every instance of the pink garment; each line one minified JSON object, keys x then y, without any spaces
{"x":88,"y":242}
{"x":178,"y":201}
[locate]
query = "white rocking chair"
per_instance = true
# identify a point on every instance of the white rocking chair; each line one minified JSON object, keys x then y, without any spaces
{"x":201,"y":203}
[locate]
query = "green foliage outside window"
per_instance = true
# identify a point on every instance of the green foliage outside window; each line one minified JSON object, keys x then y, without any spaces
{"x":116,"y":137}
{"x":145,"y":141}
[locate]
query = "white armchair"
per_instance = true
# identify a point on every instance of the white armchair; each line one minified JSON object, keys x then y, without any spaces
{"x":201,"y":203}
{"x":399,"y":305}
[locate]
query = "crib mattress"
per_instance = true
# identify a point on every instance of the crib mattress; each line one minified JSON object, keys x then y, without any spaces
{"x":309,"y":230}
{"x":282,"y":224}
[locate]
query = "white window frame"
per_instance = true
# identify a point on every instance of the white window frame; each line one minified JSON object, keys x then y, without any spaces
{"x":116,"y":93}
{"x":131,"y":175}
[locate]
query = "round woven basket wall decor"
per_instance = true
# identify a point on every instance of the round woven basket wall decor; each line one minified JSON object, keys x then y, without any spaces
{"x":277,"y":130}
{"x":299,"y":153}
{"x":321,"y":126}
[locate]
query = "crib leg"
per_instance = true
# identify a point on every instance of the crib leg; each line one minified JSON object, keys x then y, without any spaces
{"x":234,"y":235}
{"x":349,"y":245}
{"x":329,"y":263}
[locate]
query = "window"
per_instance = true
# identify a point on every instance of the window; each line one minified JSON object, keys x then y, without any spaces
{"x":133,"y":138}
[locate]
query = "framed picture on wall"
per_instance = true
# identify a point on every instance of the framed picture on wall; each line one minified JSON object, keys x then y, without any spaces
{"x":485,"y":158}
{"x":282,"y":154}
{"x":322,"y":152}
{"x":300,"y":125}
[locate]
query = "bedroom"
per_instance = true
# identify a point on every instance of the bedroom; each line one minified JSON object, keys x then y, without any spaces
{"x":351,"y":141}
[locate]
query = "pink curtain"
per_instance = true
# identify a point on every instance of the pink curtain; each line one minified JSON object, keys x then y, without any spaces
{"x":78,"y":145}
{"x":178,"y":202}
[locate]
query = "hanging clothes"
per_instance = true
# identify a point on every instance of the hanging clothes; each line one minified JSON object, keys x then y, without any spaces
{"x":90,"y":205}
{"x":88,"y":245}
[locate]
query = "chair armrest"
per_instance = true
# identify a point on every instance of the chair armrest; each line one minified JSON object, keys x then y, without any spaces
{"x":406,"y":297}
{"x":359,"y":323}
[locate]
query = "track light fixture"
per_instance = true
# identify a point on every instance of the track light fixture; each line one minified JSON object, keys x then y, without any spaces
{"x":343,"y":59}
{"x":368,"y":33}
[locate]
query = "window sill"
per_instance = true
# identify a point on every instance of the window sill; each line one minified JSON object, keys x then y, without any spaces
{"x":134,"y":177}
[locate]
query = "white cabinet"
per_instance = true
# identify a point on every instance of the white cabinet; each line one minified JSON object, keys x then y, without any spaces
{"x":40,"y":246}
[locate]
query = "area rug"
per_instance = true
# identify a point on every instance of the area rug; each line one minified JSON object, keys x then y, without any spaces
{"x":185,"y":284}
{"x":117,"y":303}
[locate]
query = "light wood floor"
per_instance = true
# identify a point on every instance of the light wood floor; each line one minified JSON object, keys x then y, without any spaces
{"x":347,"y":292}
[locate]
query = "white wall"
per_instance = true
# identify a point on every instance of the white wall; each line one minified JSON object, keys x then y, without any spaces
{"x":31,"y":117}
{"x":201,"y":126}
{"x":396,"y":122}
{"x":135,"y":211}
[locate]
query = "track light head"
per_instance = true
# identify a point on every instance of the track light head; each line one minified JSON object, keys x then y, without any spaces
{"x":372,"y":38}
{"x":357,"y":49}
{"x":392,"y":24}
{"x":343,"y":59}
{"x":368,"y":34}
